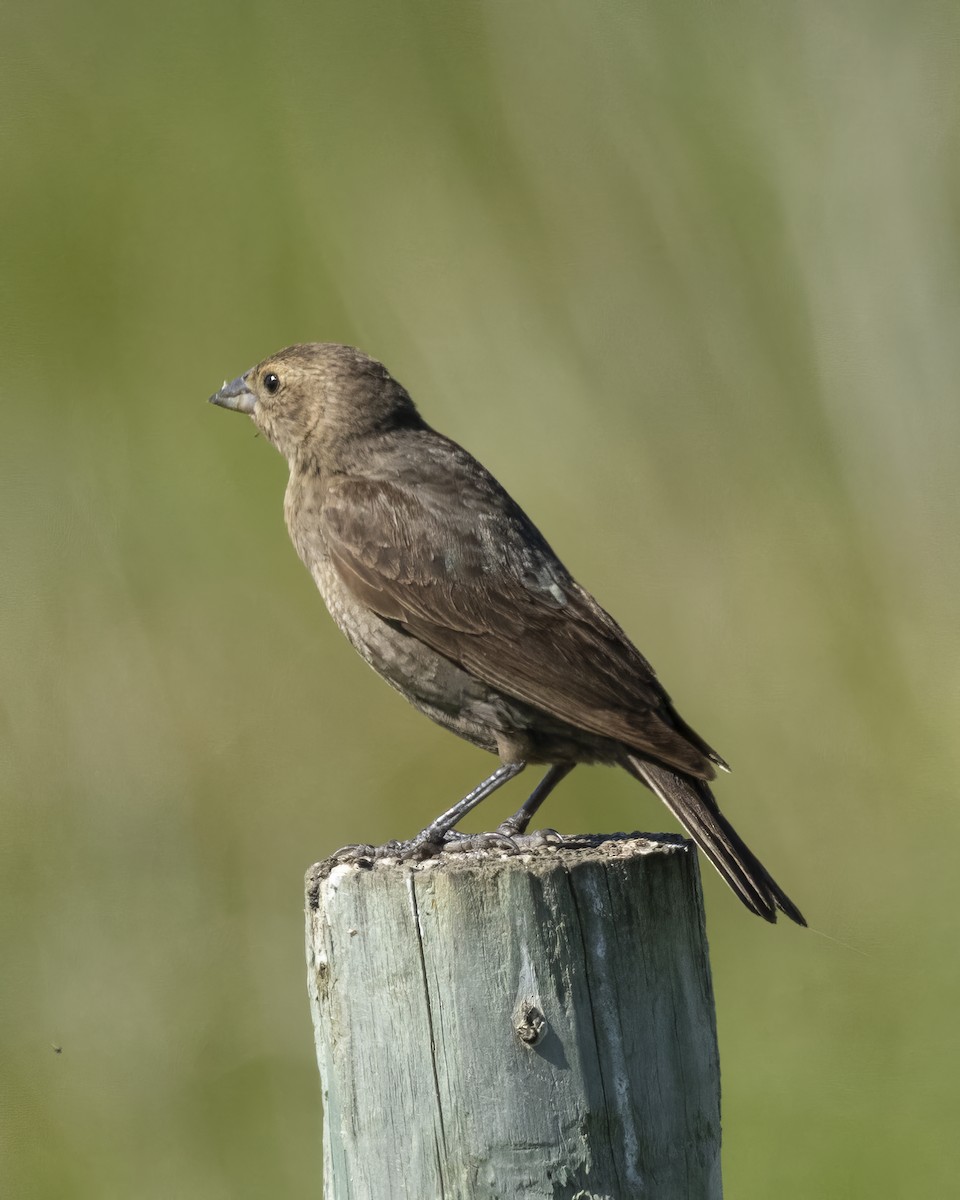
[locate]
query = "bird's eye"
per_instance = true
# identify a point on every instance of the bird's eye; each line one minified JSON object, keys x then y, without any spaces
{"x":272,"y":383}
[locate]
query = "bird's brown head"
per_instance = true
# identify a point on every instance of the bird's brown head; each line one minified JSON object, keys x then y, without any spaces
{"x":318,"y":397}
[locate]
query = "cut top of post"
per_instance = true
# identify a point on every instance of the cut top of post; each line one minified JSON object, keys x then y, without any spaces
{"x":536,"y":1025}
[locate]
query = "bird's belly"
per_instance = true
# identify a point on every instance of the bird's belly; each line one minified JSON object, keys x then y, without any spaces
{"x":452,"y":697}
{"x":433,"y":684}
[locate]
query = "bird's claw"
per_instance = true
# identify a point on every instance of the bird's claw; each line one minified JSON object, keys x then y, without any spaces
{"x":362,"y":854}
{"x":502,"y":838}
{"x":455,"y":842}
{"x":419,"y":848}
{"x":544,"y":837}
{"x":358,"y":853}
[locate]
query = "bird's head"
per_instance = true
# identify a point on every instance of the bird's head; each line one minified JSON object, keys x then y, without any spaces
{"x":316,"y":398}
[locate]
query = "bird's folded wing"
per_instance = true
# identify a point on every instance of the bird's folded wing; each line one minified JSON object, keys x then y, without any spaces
{"x":488,"y":593}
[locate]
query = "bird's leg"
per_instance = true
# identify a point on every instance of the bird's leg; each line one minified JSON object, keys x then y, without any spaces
{"x":438,"y":829}
{"x":517,"y":824}
{"x":430,"y":841}
{"x":511,"y":834}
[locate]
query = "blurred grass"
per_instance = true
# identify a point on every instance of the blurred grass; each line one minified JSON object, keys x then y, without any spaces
{"x":686,"y":278}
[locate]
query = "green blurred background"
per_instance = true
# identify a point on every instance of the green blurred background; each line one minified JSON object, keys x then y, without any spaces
{"x":685,"y":277}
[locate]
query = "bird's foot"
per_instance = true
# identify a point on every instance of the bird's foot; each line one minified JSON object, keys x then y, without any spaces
{"x":363,"y":855}
{"x":419,"y":848}
{"x":539,"y":837}
{"x":502,"y":838}
{"x":455,"y":842}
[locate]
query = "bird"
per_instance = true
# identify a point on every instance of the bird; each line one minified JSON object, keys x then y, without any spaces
{"x":446,"y":588}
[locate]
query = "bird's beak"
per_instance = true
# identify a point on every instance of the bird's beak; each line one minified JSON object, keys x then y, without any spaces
{"x":236,"y":395}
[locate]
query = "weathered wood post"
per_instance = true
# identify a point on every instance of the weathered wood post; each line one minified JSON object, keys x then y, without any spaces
{"x":537,"y":1026}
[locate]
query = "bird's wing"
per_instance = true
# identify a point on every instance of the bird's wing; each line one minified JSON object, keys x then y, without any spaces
{"x":487,"y":592}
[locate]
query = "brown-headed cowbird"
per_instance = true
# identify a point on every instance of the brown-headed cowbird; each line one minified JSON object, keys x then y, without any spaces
{"x":450,"y":592}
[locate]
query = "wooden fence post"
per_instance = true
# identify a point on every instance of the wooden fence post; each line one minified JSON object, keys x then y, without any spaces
{"x":538,"y":1026}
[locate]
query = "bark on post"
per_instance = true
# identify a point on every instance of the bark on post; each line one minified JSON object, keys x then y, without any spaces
{"x":537,"y":1026}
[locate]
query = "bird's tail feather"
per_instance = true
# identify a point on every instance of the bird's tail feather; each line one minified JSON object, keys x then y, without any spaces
{"x":692,"y":803}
